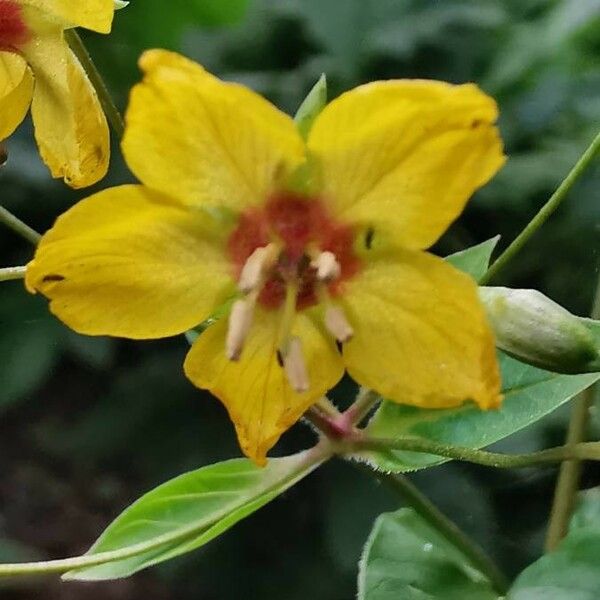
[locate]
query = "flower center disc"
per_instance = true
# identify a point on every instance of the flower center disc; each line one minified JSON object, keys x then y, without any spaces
{"x":302,"y":228}
{"x":13,"y":30}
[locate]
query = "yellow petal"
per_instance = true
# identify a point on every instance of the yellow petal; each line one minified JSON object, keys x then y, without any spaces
{"x":130,"y":262}
{"x":420,"y":333}
{"x":255,"y":390}
{"x":96,"y":15}
{"x":70,"y":127}
{"x":204,"y":141}
{"x":406,"y":155}
{"x":16,"y":87}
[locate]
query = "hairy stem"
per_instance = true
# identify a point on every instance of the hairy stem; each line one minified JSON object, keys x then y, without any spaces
{"x":12,"y":273}
{"x":18,"y":226}
{"x":545,"y":212}
{"x":581,"y":451}
{"x":108,"y":106}
{"x":569,"y":475}
{"x":430,"y":513}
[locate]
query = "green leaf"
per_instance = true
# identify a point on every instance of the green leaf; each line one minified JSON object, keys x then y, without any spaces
{"x":407,"y":559}
{"x":311,"y":107}
{"x":32,"y":342}
{"x":216,"y":13}
{"x":220,"y":312}
{"x":587,"y":512}
{"x":96,"y":352}
{"x":191,"y":510}
{"x":156,"y":24}
{"x":29,"y":344}
{"x":529,"y":395}
{"x":476,"y":259}
{"x":572,"y":571}
{"x":339,"y":30}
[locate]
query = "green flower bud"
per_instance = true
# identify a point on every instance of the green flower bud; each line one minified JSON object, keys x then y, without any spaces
{"x":537,"y":330}
{"x":311,"y":107}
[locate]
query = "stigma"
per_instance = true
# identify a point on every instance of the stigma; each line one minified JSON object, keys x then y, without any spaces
{"x":14,"y":32}
{"x":286,"y":257}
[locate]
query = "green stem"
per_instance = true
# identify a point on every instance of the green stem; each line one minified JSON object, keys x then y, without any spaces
{"x":567,"y":484}
{"x":12,"y":273}
{"x":327,"y":408}
{"x":321,"y":421}
{"x":430,"y":513}
{"x":580,"y":451}
{"x":341,"y":427}
{"x":108,"y":106}
{"x":569,"y":475}
{"x":545,"y":212}
{"x":366,"y":399}
{"x":18,"y":226}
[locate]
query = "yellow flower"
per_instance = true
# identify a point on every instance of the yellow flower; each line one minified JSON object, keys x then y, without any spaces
{"x":386,"y":168}
{"x":38,"y":69}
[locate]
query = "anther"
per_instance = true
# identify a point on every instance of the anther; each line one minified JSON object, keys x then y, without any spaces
{"x":337,"y":324}
{"x":240,"y":320}
{"x":327,"y":266}
{"x":256,"y":267}
{"x":295,"y":367}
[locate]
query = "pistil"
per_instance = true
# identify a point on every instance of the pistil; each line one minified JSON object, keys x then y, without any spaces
{"x":290,"y":347}
{"x":290,"y":255}
{"x":287,"y":317}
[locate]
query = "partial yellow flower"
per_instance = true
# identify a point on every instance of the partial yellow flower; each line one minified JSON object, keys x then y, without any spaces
{"x":329,"y":278}
{"x":39,"y":70}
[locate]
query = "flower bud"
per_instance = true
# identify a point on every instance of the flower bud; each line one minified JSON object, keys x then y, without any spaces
{"x":311,"y":107}
{"x":537,"y":330}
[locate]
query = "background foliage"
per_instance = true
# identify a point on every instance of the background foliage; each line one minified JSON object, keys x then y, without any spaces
{"x":87,"y":425}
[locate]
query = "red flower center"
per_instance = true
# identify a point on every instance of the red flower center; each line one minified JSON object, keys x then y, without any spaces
{"x":302,"y":227}
{"x":13,"y":29}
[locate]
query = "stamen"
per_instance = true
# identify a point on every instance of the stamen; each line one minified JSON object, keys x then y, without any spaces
{"x":295,"y":366}
{"x":256,"y":268}
{"x":337,"y":324}
{"x":240,"y":320}
{"x":327,"y":266}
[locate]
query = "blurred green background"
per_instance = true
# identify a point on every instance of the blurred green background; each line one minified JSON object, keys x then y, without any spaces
{"x":87,"y":425}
